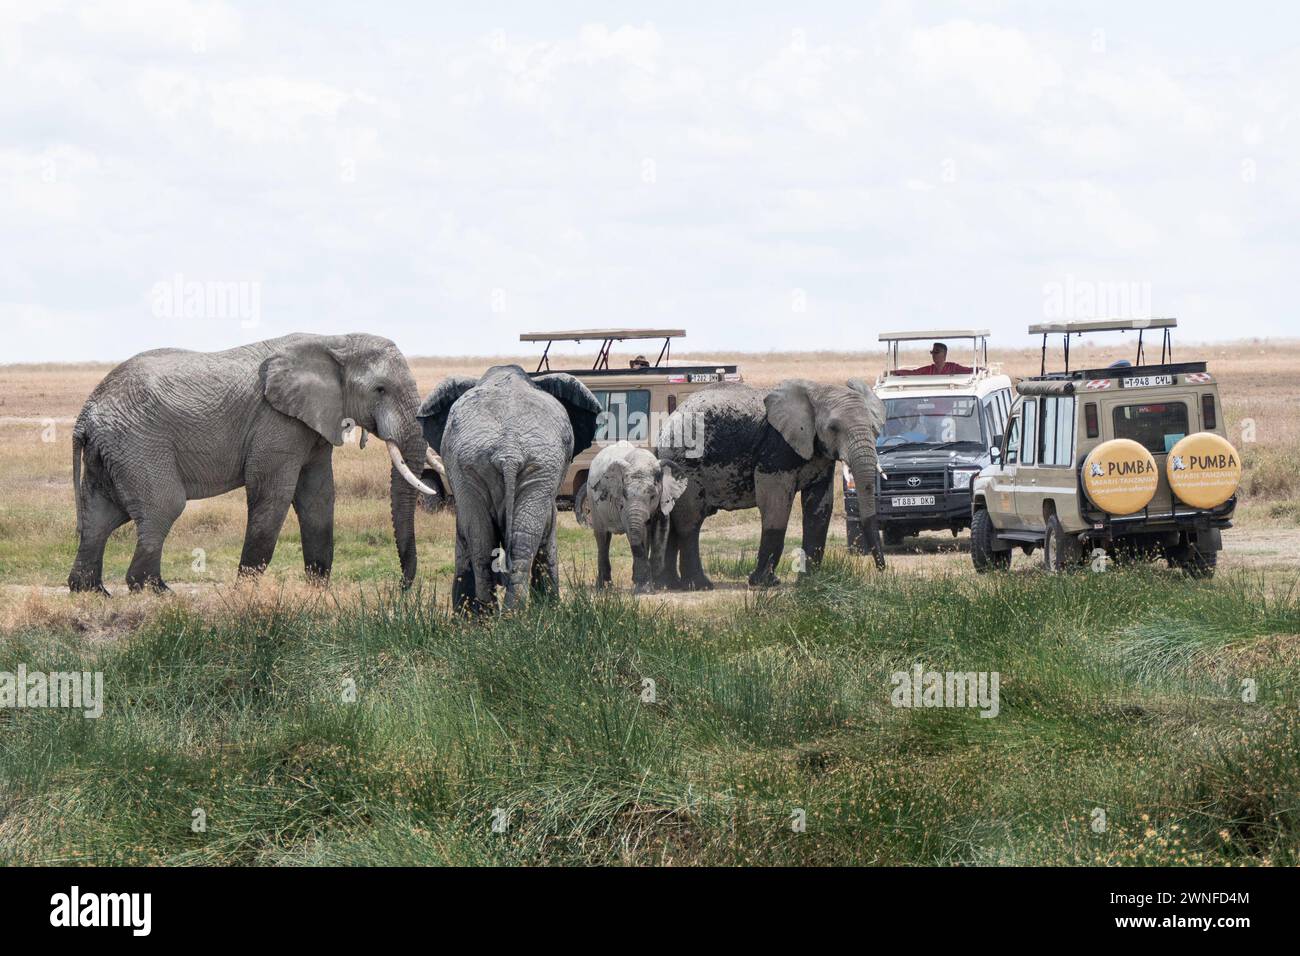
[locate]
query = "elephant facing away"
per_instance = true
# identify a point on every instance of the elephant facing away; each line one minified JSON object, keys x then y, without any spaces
{"x":759,"y":449}
{"x":170,"y":426}
{"x":629,"y":491}
{"x":506,"y":440}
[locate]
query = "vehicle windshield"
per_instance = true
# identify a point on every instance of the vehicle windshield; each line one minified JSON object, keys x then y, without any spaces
{"x":941,"y":420}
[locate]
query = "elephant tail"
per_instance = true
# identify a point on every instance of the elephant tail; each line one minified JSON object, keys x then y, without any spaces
{"x":509,"y":475}
{"x":78,"y":445}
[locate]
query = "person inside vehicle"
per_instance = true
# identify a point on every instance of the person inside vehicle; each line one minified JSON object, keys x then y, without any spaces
{"x":639,"y":362}
{"x":940,"y":364}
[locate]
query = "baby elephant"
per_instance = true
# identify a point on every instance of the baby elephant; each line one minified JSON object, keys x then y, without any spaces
{"x":630,"y":491}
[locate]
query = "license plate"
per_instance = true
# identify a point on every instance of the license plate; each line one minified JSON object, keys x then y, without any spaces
{"x":704,"y":377}
{"x":1146,"y":381}
{"x":912,"y":501}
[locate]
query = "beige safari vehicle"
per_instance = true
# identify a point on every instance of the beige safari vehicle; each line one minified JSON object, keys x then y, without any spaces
{"x":636,"y":399}
{"x":1101,"y":463}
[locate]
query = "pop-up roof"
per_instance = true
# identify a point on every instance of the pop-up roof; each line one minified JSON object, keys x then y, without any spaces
{"x":979,"y":339}
{"x":1080,"y":326}
{"x":607,"y":338}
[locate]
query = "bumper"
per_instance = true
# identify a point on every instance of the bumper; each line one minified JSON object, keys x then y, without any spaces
{"x":951,"y":509}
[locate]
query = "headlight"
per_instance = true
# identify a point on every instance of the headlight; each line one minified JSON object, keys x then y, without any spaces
{"x":961,"y":479}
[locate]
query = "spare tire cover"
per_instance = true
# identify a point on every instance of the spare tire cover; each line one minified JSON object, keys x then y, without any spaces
{"x":1204,"y":470}
{"x":1120,"y":476}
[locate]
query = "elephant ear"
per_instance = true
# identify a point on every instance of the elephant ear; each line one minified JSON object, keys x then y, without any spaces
{"x":790,"y":412}
{"x":582,"y":406}
{"x":433,"y":413}
{"x":875,"y":407}
{"x":672,"y":487}
{"x":305,"y":381}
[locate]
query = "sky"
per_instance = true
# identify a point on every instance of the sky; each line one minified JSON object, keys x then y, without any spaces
{"x":779,"y":176}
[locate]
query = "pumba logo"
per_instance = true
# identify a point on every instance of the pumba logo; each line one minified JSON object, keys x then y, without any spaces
{"x":1176,"y":462}
{"x":103,"y":909}
{"x":1135,"y":466}
{"x":1213,"y":462}
{"x":1096,"y":470}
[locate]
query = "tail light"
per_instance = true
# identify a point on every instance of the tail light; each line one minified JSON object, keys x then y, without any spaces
{"x":1208,"y":418}
{"x":1090,"y":419}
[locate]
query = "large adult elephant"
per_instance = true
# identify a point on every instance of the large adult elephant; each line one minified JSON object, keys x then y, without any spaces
{"x":740,"y":448}
{"x":169,"y":426}
{"x":506,"y":440}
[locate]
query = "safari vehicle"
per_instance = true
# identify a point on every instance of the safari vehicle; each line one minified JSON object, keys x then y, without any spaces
{"x":937,"y":436}
{"x":636,"y":400}
{"x":1130,"y":460}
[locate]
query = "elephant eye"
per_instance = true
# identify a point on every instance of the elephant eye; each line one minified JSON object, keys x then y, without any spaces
{"x":379,"y":389}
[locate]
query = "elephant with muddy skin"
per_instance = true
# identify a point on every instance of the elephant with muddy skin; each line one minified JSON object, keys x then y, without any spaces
{"x":629,"y":491}
{"x":506,"y":440}
{"x":740,"y":447}
{"x":170,"y":426}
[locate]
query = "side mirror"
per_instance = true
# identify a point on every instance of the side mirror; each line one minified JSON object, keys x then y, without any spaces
{"x":995,"y":452}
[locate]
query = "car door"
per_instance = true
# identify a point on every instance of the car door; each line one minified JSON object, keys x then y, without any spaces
{"x":1001,"y":498}
{"x":1029,"y":499}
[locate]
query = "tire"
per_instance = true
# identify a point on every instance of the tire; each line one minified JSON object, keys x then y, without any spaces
{"x":1193,"y":562}
{"x":981,"y":545}
{"x":1061,"y":551}
{"x":894,"y":537}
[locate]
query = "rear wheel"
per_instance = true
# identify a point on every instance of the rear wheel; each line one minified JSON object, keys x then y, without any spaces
{"x":894,"y":537}
{"x":981,"y":545}
{"x":1192,"y":561}
{"x":1061,"y":551}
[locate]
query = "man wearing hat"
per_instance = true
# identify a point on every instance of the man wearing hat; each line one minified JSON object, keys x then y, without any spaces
{"x":939,"y":364}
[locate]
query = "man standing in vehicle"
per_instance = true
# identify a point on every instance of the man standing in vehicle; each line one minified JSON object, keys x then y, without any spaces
{"x":939,"y":364}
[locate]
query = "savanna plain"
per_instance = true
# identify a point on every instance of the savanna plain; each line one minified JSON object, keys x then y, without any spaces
{"x":1144,"y":718}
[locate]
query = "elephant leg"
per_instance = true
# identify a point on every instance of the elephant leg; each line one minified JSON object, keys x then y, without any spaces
{"x":641,"y":580}
{"x":775,"y":496}
{"x":604,"y":573}
{"x":100,"y":517}
{"x":530,"y":524}
{"x":545,"y":582}
{"x":152,"y":523}
{"x":693,"y":576}
{"x":464,"y":588}
{"x":667,"y":575}
{"x":313,"y":502}
{"x":818,"y":501}
{"x":268,"y":504}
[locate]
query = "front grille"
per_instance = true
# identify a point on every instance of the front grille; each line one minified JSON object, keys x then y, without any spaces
{"x":898,"y":483}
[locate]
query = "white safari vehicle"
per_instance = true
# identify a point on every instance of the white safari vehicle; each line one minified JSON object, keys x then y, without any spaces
{"x":1124,"y":461}
{"x":939,"y":429}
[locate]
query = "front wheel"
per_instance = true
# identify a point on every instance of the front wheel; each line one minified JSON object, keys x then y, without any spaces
{"x":894,"y":537}
{"x":1061,"y":550}
{"x":981,"y":545}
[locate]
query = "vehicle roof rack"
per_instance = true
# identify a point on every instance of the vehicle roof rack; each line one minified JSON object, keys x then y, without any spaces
{"x":607,"y":338}
{"x":1080,"y":326}
{"x":979,"y":341}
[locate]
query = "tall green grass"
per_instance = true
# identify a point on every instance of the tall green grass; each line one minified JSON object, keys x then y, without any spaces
{"x":1120,"y":691}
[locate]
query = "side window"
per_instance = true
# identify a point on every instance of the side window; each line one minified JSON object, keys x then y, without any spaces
{"x":1065,"y":426}
{"x":1030,"y":430}
{"x":1056,"y":442}
{"x":1013,"y":439}
{"x":625,"y":415}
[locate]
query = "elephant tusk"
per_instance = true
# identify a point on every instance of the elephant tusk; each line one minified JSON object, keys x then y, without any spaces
{"x":882,"y":471}
{"x":434,"y":462}
{"x":395,"y":453}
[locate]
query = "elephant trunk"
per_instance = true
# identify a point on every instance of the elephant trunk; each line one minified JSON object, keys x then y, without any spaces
{"x":636,"y":517}
{"x":402,"y":499}
{"x":863,"y":463}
